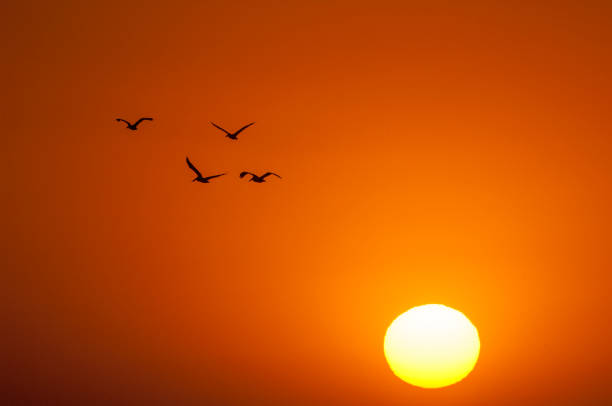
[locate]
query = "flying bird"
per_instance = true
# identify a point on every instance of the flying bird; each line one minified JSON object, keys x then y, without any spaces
{"x":258,"y":179}
{"x":233,"y":136}
{"x":134,"y":126}
{"x":199,"y":177}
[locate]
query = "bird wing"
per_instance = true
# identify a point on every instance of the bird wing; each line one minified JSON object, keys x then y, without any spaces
{"x":125,"y":121}
{"x":193,"y":168}
{"x":214,"y":176}
{"x":142,"y":119}
{"x":225,"y":131}
{"x":268,"y":174}
{"x":243,"y":128}
{"x":243,"y":174}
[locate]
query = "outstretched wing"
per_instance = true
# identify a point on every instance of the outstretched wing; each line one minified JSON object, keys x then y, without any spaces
{"x":214,"y":176}
{"x":125,"y":121}
{"x":268,"y":174}
{"x":243,"y":128}
{"x":245,"y":173}
{"x":225,"y":131}
{"x":193,"y":168}
{"x":142,"y":119}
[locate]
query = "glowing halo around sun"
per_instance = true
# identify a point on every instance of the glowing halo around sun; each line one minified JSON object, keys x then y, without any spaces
{"x":432,"y":346}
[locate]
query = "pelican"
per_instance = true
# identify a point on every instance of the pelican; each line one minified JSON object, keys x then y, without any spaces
{"x":134,"y":126}
{"x":233,"y":136}
{"x":199,"y":177}
{"x":257,"y":179}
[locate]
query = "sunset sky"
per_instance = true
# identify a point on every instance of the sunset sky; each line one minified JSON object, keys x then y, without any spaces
{"x":453,"y":152}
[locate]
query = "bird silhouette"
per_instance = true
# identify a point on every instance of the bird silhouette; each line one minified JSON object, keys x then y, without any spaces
{"x":199,"y":177}
{"x":134,"y":126}
{"x":257,"y":179}
{"x":233,"y":136}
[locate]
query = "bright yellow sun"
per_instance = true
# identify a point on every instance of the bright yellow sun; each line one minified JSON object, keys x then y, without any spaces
{"x":432,"y":346}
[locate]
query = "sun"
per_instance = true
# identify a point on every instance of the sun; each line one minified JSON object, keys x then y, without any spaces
{"x":432,"y":346}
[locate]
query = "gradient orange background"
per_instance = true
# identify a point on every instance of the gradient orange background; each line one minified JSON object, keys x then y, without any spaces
{"x":431,"y":152}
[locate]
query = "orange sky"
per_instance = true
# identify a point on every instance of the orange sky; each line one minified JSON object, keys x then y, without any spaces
{"x":431,"y":152}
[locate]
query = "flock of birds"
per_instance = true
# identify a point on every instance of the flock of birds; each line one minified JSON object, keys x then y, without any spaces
{"x":199,"y":177}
